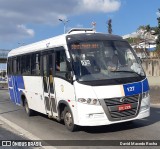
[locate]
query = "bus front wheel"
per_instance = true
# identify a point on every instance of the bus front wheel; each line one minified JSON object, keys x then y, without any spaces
{"x":68,"y":120}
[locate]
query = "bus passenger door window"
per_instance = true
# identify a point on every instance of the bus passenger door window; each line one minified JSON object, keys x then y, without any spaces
{"x":51,"y":81}
{"x":45,"y":80}
{"x":48,"y":82}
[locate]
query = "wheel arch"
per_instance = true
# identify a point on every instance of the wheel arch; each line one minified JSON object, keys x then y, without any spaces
{"x":61,"y":106}
{"x":23,"y":98}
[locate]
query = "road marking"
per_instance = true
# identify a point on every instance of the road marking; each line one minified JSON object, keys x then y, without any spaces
{"x":26,"y":133}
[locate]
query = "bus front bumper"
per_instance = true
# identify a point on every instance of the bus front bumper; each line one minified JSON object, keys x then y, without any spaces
{"x":91,"y":115}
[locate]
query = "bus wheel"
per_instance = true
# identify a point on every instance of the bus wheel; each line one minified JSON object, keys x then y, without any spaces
{"x":68,"y":120}
{"x":27,"y":109}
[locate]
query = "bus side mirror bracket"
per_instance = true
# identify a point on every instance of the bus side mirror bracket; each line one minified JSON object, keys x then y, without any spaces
{"x":69,"y":65}
{"x":69,"y":76}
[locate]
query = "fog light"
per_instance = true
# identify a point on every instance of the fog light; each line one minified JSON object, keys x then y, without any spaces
{"x":90,"y":115}
{"x":82,"y":100}
{"x":94,"y":101}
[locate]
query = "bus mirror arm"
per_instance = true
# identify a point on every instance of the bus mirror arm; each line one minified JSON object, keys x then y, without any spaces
{"x":69,"y":76}
{"x":69,"y":65}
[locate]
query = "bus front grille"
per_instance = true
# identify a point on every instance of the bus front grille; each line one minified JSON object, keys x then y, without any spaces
{"x":112,"y":107}
{"x":117,"y":114}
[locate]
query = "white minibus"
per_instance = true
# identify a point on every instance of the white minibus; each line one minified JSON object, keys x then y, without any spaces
{"x":83,"y":78}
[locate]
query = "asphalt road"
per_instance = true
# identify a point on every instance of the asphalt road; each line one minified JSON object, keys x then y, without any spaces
{"x":48,"y":129}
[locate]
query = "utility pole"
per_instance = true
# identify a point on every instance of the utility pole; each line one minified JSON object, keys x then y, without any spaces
{"x":64,"y":21}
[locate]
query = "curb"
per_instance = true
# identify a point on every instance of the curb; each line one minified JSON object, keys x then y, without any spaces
{"x":155,"y":104}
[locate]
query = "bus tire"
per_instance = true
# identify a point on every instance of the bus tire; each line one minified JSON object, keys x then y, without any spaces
{"x":27,"y":109}
{"x":68,"y":120}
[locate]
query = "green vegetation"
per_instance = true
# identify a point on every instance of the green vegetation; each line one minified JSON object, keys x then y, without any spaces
{"x":158,"y":36}
{"x":158,"y":33}
{"x":133,"y":40}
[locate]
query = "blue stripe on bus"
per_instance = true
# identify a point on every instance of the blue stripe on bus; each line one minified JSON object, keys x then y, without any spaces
{"x":145,"y":85}
{"x":132,"y":89}
{"x":20,"y":82}
{"x":10,"y":86}
{"x":17,"y":83}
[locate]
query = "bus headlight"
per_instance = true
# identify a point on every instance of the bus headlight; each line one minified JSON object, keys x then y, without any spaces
{"x":145,"y":94}
{"x":82,"y":100}
{"x":89,"y":101}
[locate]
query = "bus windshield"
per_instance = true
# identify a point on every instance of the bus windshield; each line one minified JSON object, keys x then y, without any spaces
{"x":101,"y":60}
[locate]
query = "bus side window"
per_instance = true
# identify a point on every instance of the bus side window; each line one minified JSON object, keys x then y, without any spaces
{"x":18,"y":65}
{"x":9,"y":66}
{"x":23,"y":62}
{"x":35,"y":64}
{"x":14,"y":66}
{"x":60,"y":63}
{"x":28,"y":65}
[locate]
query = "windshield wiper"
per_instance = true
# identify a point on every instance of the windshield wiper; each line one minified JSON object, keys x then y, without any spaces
{"x":128,"y":72}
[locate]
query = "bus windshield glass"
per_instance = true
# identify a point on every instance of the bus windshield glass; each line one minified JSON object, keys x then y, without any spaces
{"x":101,"y":60}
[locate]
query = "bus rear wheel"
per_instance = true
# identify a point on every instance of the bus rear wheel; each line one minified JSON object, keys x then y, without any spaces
{"x":27,"y":109}
{"x":68,"y":120}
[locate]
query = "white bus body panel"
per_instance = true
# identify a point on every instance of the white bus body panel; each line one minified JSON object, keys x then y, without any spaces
{"x":64,"y":89}
{"x":34,"y":93}
{"x":98,"y":92}
{"x":65,"y":92}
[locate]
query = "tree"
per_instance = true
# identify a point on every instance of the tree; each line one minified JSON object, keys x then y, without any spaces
{"x":148,"y":28}
{"x":142,"y":27}
{"x":144,"y":34}
{"x":110,"y":26}
{"x":158,"y":35}
{"x":145,"y":30}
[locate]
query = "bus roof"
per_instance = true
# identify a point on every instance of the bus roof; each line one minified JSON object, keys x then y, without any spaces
{"x":73,"y":34}
{"x":38,"y":46}
{"x":91,"y":36}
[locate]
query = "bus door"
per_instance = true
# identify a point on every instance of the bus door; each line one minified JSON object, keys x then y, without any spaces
{"x":48,"y":82}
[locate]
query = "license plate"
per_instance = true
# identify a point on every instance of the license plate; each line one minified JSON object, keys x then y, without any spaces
{"x":124,"y":107}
